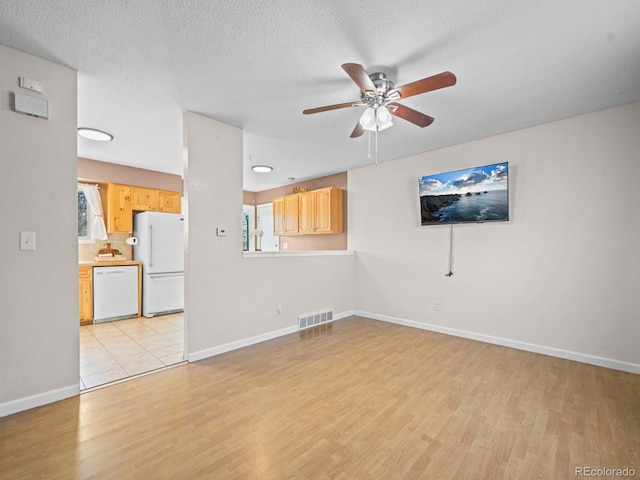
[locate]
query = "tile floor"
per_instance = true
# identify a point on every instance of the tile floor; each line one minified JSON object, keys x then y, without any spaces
{"x":116,"y":350}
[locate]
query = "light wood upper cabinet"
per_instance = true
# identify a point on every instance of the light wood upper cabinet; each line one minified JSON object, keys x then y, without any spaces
{"x":169,"y":201}
{"x":285,"y":215}
{"x":327,"y":210}
{"x":307,"y":206}
{"x":309,"y":213}
{"x":278,"y":216}
{"x":150,"y":199}
{"x":85,"y":294}
{"x":291,"y":212}
{"x":120,"y":201}
{"x":143,"y":199}
{"x":117,"y":208}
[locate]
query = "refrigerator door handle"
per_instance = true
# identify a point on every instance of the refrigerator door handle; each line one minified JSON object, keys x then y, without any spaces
{"x":150,"y":245}
{"x":167,"y":275}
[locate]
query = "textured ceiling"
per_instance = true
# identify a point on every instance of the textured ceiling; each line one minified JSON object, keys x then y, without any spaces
{"x":258,"y":64}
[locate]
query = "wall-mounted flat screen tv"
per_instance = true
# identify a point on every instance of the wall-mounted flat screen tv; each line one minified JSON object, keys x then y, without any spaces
{"x":474,"y":195}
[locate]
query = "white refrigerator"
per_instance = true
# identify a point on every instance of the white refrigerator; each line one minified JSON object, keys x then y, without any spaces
{"x":160,"y":248}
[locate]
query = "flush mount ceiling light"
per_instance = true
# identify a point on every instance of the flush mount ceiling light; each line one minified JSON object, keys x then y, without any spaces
{"x":94,"y":134}
{"x":262,"y":168}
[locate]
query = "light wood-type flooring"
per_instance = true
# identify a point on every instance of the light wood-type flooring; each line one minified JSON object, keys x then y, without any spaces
{"x":358,"y":399}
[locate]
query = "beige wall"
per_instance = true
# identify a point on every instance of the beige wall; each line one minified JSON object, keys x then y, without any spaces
{"x":104,"y":172}
{"x":308,"y":242}
{"x":231,"y":300}
{"x":39,"y":341}
{"x":561,"y":277}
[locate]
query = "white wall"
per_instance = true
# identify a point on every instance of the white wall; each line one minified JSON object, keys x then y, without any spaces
{"x":230,"y":300}
{"x":39,"y":344}
{"x":562,"y":274}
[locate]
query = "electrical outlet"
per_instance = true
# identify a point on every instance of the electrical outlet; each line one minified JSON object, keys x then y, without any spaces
{"x":436,"y":305}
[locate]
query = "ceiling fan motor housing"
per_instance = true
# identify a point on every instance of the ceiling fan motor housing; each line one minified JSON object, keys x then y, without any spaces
{"x":379,"y":97}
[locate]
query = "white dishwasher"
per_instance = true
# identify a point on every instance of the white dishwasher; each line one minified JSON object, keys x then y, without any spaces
{"x":115,"y":292}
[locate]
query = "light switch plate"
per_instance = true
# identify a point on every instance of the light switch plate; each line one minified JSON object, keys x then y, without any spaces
{"x":221,"y":232}
{"x":27,"y":240}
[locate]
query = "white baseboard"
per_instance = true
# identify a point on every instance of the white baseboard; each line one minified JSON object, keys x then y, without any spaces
{"x":245,"y":342}
{"x":340,"y":316}
{"x":505,"y":342}
{"x":32,"y":401}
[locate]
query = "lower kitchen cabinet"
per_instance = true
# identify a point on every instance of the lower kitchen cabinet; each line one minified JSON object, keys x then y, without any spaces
{"x":86,"y":294}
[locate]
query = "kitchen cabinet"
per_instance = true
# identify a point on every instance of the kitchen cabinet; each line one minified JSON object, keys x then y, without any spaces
{"x":117,"y":208}
{"x":85,"y":294}
{"x":309,"y":213}
{"x":153,"y":200}
{"x":169,"y":202}
{"x":327,"y":210}
{"x":306,"y":204}
{"x":286,"y":215}
{"x":120,"y":201}
{"x":291,"y":212}
{"x":278,"y":216}
{"x":144,"y":199}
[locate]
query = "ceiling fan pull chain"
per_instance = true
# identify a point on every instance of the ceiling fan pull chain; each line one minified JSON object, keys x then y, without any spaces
{"x":369,"y":154}
{"x":376,"y":145}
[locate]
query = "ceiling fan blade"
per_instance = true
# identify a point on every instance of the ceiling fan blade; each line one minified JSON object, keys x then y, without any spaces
{"x":332,"y":107}
{"x":358,"y":131}
{"x":410,"y":115}
{"x":441,"y":80}
{"x":361,"y":77}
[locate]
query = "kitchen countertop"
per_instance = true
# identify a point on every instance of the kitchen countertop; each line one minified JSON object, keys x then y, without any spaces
{"x":115,"y":263}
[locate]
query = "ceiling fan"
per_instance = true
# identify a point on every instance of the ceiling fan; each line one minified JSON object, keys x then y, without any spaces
{"x":379,"y":95}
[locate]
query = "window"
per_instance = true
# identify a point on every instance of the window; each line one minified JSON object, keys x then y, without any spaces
{"x":85,"y":219}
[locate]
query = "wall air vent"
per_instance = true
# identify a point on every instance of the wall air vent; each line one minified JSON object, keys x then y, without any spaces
{"x":312,"y":319}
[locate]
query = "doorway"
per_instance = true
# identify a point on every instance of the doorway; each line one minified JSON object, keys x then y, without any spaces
{"x":269,"y":241}
{"x":122,"y":347}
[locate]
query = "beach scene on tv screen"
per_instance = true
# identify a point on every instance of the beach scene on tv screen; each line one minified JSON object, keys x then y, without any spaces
{"x":479,"y":194}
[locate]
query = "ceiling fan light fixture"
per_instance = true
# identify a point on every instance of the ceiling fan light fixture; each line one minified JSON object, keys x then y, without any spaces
{"x":383,"y":118}
{"x":368,"y":119}
{"x":262,"y":168}
{"x":376,"y":119}
{"x":94,"y":134}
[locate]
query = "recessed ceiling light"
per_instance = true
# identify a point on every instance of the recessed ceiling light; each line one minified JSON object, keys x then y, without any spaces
{"x":93,"y":134}
{"x":262,"y":168}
